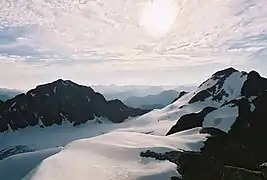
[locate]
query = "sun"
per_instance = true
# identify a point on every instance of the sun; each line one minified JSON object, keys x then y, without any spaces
{"x":157,"y":16}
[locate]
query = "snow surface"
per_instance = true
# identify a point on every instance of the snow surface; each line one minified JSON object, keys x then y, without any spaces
{"x":17,"y":166}
{"x":114,"y":156}
{"x":111,"y":151}
{"x":233,"y":84}
{"x":222,"y":118}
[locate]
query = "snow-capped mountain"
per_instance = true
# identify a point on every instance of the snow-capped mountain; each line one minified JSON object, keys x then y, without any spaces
{"x":214,"y":133}
{"x":59,"y":102}
{"x":223,"y":98}
{"x":234,"y":113}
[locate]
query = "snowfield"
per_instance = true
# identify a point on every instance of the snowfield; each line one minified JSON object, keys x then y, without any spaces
{"x":109,"y":151}
{"x":17,"y":166}
{"x":101,"y":150}
{"x":222,"y":118}
{"x":115,"y":155}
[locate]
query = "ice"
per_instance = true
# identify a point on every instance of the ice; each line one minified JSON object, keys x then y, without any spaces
{"x":17,"y":166}
{"x":222,"y":118}
{"x":113,"y":156}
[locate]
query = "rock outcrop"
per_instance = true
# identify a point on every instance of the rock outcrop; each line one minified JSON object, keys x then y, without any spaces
{"x":180,"y":95}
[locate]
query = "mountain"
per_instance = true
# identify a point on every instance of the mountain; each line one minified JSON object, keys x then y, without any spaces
{"x":156,"y":101}
{"x":216,"y":132}
{"x":126,"y":91}
{"x":234,"y":114}
{"x":6,"y":94}
{"x":224,"y":97}
{"x":58,"y":102}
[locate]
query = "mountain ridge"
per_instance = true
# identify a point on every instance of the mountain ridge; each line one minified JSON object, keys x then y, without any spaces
{"x":59,"y":101}
{"x":226,"y":88}
{"x":219,"y":135}
{"x":153,"y":101}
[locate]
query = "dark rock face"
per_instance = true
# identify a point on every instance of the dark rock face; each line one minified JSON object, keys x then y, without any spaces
{"x":233,"y":173}
{"x":196,"y":166}
{"x":14,"y":150}
{"x":222,"y":157}
{"x":212,"y":131}
{"x":61,"y":101}
{"x":200,"y":96}
{"x":254,"y":85}
{"x":190,"y":121}
{"x":208,"y":167}
{"x":251,"y":128}
{"x":180,"y":95}
{"x":172,"y":156}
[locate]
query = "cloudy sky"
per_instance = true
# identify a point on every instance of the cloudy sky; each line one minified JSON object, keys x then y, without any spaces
{"x":129,"y":41}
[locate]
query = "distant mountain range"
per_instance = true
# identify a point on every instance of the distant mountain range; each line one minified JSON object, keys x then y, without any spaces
{"x":6,"y":94}
{"x":156,"y":101}
{"x":124,"y":92}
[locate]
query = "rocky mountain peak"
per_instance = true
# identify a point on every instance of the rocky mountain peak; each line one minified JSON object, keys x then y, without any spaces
{"x":224,"y":73}
{"x":232,"y":94}
{"x":59,"y":101}
{"x":223,"y":86}
{"x":236,"y":124}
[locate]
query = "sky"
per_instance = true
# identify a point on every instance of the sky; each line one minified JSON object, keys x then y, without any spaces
{"x":121,"y":42}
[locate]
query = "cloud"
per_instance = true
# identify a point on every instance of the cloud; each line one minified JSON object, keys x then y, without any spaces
{"x":98,"y":41}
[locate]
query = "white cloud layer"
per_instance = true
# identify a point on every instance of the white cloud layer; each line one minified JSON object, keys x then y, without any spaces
{"x":129,"y":41}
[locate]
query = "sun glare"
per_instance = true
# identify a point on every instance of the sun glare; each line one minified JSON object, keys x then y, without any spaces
{"x":157,"y":16}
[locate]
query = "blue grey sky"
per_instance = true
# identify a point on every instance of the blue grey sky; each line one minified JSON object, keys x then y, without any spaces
{"x":129,"y":41}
